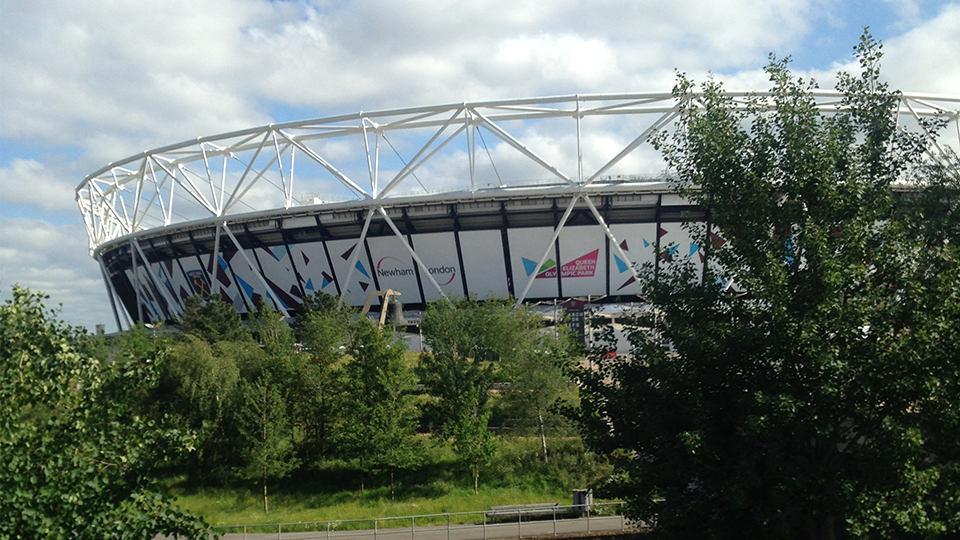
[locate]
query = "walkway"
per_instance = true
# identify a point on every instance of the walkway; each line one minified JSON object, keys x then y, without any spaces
{"x":500,"y":530}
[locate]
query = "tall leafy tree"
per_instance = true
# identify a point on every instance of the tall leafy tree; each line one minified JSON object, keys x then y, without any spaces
{"x":76,"y":458}
{"x":380,"y":419}
{"x":473,"y":444}
{"x":199,"y":386}
{"x":324,"y":335}
{"x":535,"y":360}
{"x":212,"y":320}
{"x":821,"y":402}
{"x":268,"y":449}
{"x":460,"y":335}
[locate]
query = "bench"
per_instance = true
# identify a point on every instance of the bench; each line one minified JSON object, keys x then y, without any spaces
{"x":524,"y":511}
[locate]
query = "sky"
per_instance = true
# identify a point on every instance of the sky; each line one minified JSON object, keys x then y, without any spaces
{"x":85,"y":83}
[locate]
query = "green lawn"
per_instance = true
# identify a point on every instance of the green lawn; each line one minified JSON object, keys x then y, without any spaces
{"x":332,"y":492}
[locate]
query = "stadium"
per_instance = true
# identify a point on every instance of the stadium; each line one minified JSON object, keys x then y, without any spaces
{"x":545,"y":199}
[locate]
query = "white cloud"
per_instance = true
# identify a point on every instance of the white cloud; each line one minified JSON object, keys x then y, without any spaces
{"x":924,"y":59}
{"x":908,"y":12}
{"x":29,"y":183}
{"x":54,"y":259}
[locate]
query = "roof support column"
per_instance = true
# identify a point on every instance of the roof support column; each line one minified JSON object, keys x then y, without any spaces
{"x":255,"y":270}
{"x":613,"y":240}
{"x":546,"y":253}
{"x":171,"y":304}
{"x":136,"y":282}
{"x":413,"y":253}
{"x":356,"y":254}
{"x":214,"y":264}
{"x":113,"y":294}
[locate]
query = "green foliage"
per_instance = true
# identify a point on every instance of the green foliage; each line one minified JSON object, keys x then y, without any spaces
{"x":472,"y":442}
{"x":76,"y":457}
{"x":272,"y":332}
{"x":535,"y":361}
{"x":200,"y":388}
{"x":212,"y":320}
{"x":380,"y":421}
{"x":202,"y":380}
{"x":264,"y":427}
{"x":319,"y":302}
{"x":319,"y":384}
{"x":459,"y":334}
{"x":822,"y":402}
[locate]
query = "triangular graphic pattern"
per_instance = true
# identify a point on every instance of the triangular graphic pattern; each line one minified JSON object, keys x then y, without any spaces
{"x":627,"y":282}
{"x":583,"y":266}
{"x":359,"y":266}
{"x":247,"y":288}
{"x":621,"y":266}
{"x":529,"y":266}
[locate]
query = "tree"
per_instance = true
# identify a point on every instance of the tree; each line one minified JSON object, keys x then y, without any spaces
{"x":379,"y":425}
{"x":212,"y":320}
{"x":199,"y":386}
{"x":472,"y":443}
{"x":77,"y":459}
{"x":821,"y":402}
{"x":535,"y":362}
{"x":461,"y":335}
{"x":324,"y":334}
{"x":268,"y":452}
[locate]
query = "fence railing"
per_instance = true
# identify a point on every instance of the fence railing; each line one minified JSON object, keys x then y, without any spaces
{"x":503,"y":522}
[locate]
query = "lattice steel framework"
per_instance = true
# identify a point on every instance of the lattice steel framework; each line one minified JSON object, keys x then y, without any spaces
{"x":375,"y":160}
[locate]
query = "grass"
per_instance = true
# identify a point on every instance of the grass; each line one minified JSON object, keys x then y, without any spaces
{"x":331,"y":492}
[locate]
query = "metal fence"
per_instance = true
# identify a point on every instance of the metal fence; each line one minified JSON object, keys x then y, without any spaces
{"x":501,"y":522}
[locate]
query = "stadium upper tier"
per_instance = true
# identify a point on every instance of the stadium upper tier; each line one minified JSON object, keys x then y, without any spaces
{"x":540,"y":198}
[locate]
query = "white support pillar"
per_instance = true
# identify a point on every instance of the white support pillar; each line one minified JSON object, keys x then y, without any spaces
{"x":214,"y":263}
{"x":113,"y":294}
{"x":546,"y":253}
{"x":136,"y":282}
{"x":579,"y":145}
{"x":413,"y":253}
{"x":613,"y":240}
{"x":471,"y":150}
{"x":356,"y":253}
{"x":254,"y":270}
{"x":163,"y":290}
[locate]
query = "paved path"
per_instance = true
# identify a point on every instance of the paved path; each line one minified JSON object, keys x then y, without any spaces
{"x":455,"y":532}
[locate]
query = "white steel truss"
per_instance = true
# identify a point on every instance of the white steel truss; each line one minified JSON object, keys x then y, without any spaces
{"x":541,"y":141}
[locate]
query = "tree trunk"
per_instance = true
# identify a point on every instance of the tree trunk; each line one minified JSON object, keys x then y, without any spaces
{"x":264,"y":466}
{"x":476,"y":476}
{"x":265,"y":507}
{"x":391,"y":483}
{"x":823,"y":528}
{"x":543,"y":435}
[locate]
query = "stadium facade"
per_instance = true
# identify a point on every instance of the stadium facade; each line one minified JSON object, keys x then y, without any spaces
{"x":543,"y":199}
